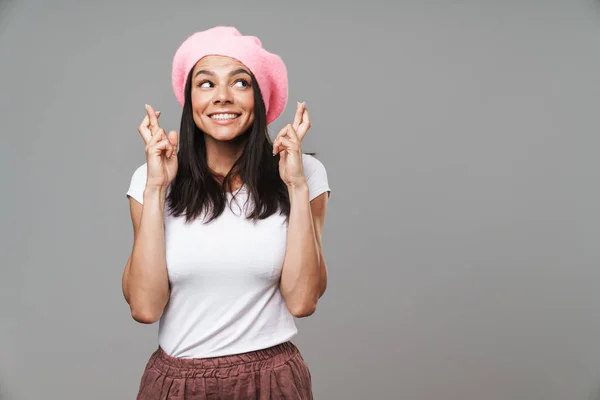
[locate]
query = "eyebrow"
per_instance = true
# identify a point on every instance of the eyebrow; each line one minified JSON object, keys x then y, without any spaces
{"x":237,"y":71}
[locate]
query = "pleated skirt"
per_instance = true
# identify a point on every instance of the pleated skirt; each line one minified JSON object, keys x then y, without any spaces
{"x":278,"y":372}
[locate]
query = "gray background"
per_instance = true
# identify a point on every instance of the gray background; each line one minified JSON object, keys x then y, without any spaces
{"x":461,"y":145}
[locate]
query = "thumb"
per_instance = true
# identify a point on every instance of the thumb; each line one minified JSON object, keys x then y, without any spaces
{"x":173,"y":138}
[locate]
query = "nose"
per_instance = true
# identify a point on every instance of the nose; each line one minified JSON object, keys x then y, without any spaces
{"x":222,"y":95}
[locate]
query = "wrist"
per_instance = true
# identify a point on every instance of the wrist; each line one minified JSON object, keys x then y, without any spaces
{"x":298,"y":189}
{"x":155,"y":192}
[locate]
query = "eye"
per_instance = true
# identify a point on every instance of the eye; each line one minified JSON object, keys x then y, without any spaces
{"x":204,"y":84}
{"x":242,"y":83}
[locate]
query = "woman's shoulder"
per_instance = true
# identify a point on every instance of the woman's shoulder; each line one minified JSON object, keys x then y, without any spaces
{"x":311,"y":164}
{"x":140,"y":173}
{"x":316,"y":175}
{"x":138,"y":183}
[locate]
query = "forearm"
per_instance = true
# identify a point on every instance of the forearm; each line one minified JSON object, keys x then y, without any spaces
{"x":147,"y":280}
{"x":301,"y":276}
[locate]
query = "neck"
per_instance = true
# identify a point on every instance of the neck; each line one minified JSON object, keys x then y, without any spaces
{"x":221,"y":155}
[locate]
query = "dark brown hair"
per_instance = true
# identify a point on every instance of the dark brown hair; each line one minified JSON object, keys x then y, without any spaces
{"x":195,"y":191}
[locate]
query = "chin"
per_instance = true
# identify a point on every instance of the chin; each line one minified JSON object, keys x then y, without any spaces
{"x":224,"y":136}
{"x":225,"y":132}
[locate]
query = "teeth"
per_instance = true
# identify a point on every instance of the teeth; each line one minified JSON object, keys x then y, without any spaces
{"x":224,"y":116}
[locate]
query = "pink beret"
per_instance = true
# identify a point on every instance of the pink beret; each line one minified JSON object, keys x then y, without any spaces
{"x":268,"y":68}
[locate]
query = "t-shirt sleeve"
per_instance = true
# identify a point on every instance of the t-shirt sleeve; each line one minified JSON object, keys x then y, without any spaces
{"x":138,"y":184}
{"x":316,"y":176}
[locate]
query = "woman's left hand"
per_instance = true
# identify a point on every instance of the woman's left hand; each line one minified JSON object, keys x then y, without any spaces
{"x":288,"y":144}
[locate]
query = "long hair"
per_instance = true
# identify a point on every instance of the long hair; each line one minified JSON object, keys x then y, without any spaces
{"x":195,"y":191}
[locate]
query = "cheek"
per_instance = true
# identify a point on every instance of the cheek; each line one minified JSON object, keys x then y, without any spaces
{"x":248,"y":103}
{"x":249,"y":108}
{"x":199,"y":100}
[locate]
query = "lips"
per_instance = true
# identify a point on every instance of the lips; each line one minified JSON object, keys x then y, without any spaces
{"x":224,"y":116}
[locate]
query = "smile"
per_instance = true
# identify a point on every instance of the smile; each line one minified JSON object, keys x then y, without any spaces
{"x":224,"y":117}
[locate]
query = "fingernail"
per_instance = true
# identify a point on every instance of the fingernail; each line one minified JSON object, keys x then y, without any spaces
{"x":146,"y":106}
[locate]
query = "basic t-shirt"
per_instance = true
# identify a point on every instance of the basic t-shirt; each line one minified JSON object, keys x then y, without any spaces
{"x":224,"y":276}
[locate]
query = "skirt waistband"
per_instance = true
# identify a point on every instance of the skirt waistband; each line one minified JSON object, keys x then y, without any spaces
{"x":224,"y":366}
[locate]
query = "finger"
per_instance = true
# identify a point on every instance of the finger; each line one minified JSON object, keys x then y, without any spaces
{"x":277,"y":148}
{"x":292,"y":134}
{"x":154,"y":126}
{"x":277,"y":141}
{"x":162,"y":146}
{"x":144,"y":130}
{"x":276,"y":144}
{"x":170,"y":150}
{"x":281,"y":133}
{"x":173,"y":138}
{"x":286,"y":144}
{"x":157,"y":137}
{"x":161,"y":150}
{"x":283,"y":157}
{"x":146,"y":122}
{"x":298,"y":116}
{"x":288,"y":131}
{"x":304,"y":126}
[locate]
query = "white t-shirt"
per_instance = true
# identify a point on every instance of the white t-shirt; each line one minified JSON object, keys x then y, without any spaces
{"x":224,"y":277}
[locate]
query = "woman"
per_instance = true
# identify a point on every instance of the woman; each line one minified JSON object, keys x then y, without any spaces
{"x":227,"y":229}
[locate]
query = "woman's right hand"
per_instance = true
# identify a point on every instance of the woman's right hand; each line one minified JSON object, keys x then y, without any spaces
{"x":161,"y":150}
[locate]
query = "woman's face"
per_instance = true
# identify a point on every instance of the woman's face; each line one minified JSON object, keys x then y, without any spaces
{"x":222,"y":97}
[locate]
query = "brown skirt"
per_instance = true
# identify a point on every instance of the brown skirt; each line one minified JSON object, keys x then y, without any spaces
{"x":278,"y":372}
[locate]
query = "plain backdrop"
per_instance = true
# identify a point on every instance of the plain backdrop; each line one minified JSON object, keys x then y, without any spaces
{"x":461,"y":144}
